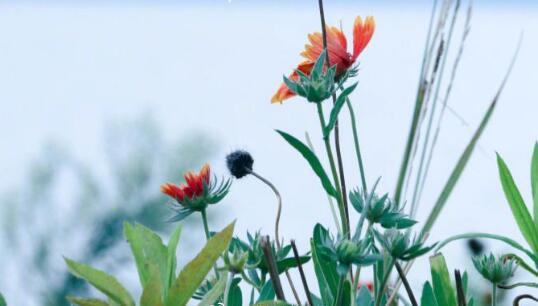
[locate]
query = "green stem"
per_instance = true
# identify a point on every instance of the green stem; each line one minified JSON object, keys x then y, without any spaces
{"x":207,"y":236}
{"x":228,"y":286}
{"x":494,"y":295}
{"x":341,"y":208}
{"x":340,"y":291}
{"x":357,"y":146}
{"x":384,"y":282}
{"x":206,"y":226}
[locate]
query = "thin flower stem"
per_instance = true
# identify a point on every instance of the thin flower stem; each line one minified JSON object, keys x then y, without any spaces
{"x":357,"y":145}
{"x":228,"y":286}
{"x":277,"y":224}
{"x":343,"y":219}
{"x":494,"y":295}
{"x":207,"y":236}
{"x":406,"y":283}
{"x":358,"y":271}
{"x":342,"y":183}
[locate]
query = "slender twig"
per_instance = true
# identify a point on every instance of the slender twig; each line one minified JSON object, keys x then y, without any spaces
{"x":522,"y":297}
{"x":459,"y":289}
{"x":301,"y":272}
{"x":405,"y":283}
{"x":343,"y":193}
{"x":383,"y":285}
{"x":271,"y":266}
{"x":277,"y":225}
{"x":494,"y":295}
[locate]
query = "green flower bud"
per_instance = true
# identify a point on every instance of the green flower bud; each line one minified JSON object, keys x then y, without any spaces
{"x":347,"y":251}
{"x":496,"y":270}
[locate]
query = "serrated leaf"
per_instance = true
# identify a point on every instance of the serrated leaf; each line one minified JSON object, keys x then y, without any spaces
{"x":442,"y":286}
{"x":195,"y":271}
{"x":340,"y":101}
{"x":103,"y":282}
{"x":312,"y":160}
{"x":79,"y":301}
{"x":517,"y":205}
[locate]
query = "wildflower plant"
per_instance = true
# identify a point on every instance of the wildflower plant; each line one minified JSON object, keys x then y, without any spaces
{"x":383,"y":237}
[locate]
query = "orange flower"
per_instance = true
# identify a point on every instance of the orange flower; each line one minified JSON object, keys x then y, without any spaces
{"x":337,"y":49}
{"x":196,"y":185}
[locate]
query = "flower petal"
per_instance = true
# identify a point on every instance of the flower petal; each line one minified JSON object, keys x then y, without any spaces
{"x":362,"y":33}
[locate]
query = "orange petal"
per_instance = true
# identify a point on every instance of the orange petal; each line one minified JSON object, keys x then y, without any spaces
{"x":205,"y":173}
{"x":362,"y":33}
{"x":283,"y":92}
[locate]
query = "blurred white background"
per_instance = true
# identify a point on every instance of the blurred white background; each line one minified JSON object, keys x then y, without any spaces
{"x":67,"y":69}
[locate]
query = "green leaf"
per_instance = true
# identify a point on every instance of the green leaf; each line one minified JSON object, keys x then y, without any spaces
{"x":152,"y":292}
{"x":534,"y":182}
{"x":103,"y":282}
{"x":517,"y":205}
{"x":346,"y":297}
{"x":267,"y":293}
{"x":213,"y":295}
{"x":442,"y":287}
{"x":325,"y":270}
{"x":312,"y":160}
{"x":2,"y":300}
{"x":428,"y":298}
{"x":340,"y":101}
{"x":235,"y":297}
{"x":148,"y":249}
{"x":290,"y":262}
{"x":80,"y":302}
{"x":172,"y":261}
{"x":195,"y":271}
{"x":456,"y":173}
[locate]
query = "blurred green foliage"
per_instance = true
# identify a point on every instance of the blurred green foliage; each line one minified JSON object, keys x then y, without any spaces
{"x":63,"y":199}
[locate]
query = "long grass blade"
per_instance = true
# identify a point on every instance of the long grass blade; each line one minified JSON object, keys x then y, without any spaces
{"x":462,"y":162}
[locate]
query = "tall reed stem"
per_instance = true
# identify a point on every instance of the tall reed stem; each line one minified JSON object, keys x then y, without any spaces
{"x":494,"y":295}
{"x":357,"y":145}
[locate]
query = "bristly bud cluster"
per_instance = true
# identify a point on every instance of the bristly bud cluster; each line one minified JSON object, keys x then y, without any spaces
{"x":235,"y":260}
{"x":239,"y":163}
{"x":319,"y":85}
{"x":380,"y":210}
{"x":496,"y":270}
{"x":346,"y":252}
{"x":400,"y":246}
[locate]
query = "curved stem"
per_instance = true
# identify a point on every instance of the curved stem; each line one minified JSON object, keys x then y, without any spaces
{"x":277,"y":226}
{"x":384,"y":282}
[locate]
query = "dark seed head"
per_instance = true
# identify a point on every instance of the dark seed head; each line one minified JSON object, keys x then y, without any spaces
{"x":476,"y":246}
{"x":239,"y":163}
